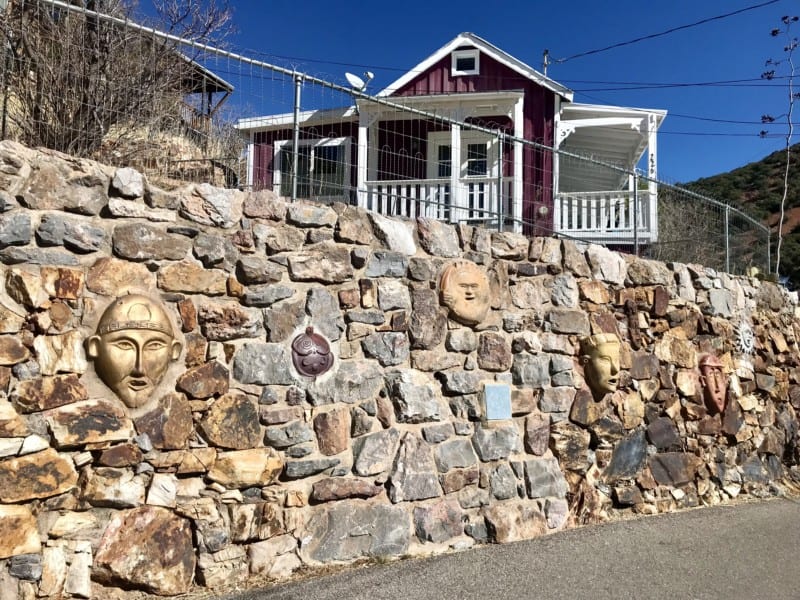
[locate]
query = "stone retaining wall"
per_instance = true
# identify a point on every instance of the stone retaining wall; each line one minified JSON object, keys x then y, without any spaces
{"x":242,"y":468}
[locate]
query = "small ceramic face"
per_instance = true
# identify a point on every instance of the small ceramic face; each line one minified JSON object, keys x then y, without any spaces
{"x":600,"y":357}
{"x":465,"y":291}
{"x":133,"y":348}
{"x":714,"y":382}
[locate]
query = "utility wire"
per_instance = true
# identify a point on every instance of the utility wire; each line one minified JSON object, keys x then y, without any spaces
{"x":657,"y":83}
{"x":667,"y":32}
{"x":681,"y":85}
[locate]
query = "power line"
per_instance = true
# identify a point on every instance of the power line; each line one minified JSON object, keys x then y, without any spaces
{"x":667,"y":32}
{"x":656,"y":83}
{"x":732,"y":121}
{"x":667,"y":86}
{"x":711,"y":134}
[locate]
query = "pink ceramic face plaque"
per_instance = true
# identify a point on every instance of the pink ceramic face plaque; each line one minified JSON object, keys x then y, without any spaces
{"x":714,"y":382}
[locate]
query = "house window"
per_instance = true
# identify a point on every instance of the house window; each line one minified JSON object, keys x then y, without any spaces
{"x":322,"y":168}
{"x":477,"y":157}
{"x":444,"y":164}
{"x":477,"y":160}
{"x":465,"y":62}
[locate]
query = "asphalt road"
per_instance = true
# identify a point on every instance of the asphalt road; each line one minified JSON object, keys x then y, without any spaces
{"x":742,"y":551}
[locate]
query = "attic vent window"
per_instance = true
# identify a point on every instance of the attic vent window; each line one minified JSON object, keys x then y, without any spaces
{"x":466,"y":62}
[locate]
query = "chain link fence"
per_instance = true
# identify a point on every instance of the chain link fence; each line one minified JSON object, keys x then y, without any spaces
{"x":100,"y":86}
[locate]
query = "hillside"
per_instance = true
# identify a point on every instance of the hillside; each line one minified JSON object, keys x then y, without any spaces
{"x":757,"y":188}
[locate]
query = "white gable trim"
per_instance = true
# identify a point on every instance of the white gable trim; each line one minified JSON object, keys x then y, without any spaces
{"x":488,"y":49}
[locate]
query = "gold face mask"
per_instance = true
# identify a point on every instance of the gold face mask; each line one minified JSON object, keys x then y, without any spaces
{"x":133,"y":347}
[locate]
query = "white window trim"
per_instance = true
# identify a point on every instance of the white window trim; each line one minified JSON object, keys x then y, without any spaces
{"x":459,"y":164}
{"x":471,"y":53}
{"x":339,"y":141}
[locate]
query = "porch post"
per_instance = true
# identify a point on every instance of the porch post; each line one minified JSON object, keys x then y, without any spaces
{"x":518,"y":190}
{"x":361,"y":159}
{"x":652,"y":175}
{"x":456,"y":200}
{"x":251,"y":172}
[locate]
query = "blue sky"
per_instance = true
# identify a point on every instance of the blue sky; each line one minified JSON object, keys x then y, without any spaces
{"x":328,"y":38}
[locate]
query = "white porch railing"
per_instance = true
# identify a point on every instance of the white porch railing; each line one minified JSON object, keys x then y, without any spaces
{"x":606,"y":217}
{"x":474,"y":200}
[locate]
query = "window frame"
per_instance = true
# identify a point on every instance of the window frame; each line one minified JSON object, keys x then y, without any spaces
{"x":436,"y":139}
{"x":473,"y":53}
{"x":312,"y":144}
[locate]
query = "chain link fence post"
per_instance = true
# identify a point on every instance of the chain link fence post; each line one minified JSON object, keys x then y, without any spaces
{"x":298,"y":84}
{"x":635,"y":213}
{"x":727,"y":240}
{"x":501,"y":213}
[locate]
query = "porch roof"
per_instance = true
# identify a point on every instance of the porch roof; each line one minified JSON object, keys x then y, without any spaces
{"x":306,"y":118}
{"x":460,"y":105}
{"x":613,"y":135}
{"x":473,"y":104}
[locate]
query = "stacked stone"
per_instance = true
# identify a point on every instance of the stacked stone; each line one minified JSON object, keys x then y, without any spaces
{"x":242,"y":467}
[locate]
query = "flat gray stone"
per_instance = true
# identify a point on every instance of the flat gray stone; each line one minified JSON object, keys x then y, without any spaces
{"x":37,"y":256}
{"x":414,"y":396}
{"x":413,"y":476}
{"x":428,"y":323}
{"x":393,"y":294}
{"x":438,"y":522}
{"x":375,"y":452}
{"x":215,"y":251}
{"x":297,"y":469}
{"x":327,"y":263}
{"x":288,"y":435}
{"x":351,"y":529}
{"x":383,"y":263}
{"x":128,"y":183}
{"x":456,"y":454}
{"x":436,"y":434}
{"x":531,"y":370}
{"x":606,"y":265}
{"x":628,"y":458}
{"x":15,"y":229}
{"x":496,"y":442}
{"x":210,"y":205}
{"x":503,"y":482}
{"x":396,"y":235}
{"x":543,"y":478}
{"x":438,"y":238}
{"x":570,"y":322}
{"x":140,"y":242}
{"x":262,"y":296}
{"x":462,"y":382}
{"x":389,"y":347}
{"x":55,"y":230}
{"x":262,"y":364}
{"x":354,"y":382}
{"x":310,"y":215}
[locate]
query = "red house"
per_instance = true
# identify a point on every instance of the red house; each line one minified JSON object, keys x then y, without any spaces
{"x":468,"y":134}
